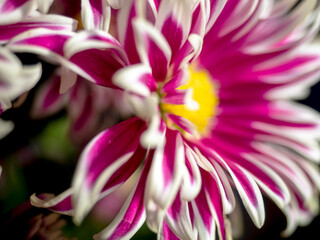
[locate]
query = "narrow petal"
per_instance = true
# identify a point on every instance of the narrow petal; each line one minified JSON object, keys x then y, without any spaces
{"x":164,"y":178}
{"x":102,"y":163}
{"x":178,"y":220}
{"x":95,"y":14}
{"x":131,"y":216}
{"x":44,"y":42}
{"x":174,"y":22}
{"x":60,"y":204}
{"x":136,"y":79}
{"x":53,"y":22}
{"x":153,"y":49}
{"x":249,"y":193}
{"x":12,"y":11}
{"x":96,"y":55}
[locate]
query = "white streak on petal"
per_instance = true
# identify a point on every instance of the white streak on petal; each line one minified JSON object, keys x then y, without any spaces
{"x":130,"y":79}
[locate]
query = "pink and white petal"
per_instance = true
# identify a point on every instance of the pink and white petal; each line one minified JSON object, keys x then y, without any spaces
{"x":95,"y":14}
{"x":44,"y":5}
{"x":276,"y":31}
{"x":247,"y":189}
{"x":215,"y":202}
{"x":277,"y":190}
{"x":182,"y":123}
{"x":165,"y":233}
{"x":131,"y":216}
{"x":203,"y":220}
{"x":60,"y":204}
{"x":191,"y":182}
{"x":5,"y":128}
{"x":125,"y":29}
{"x":294,"y":177}
{"x":153,"y":48}
{"x":53,"y":22}
{"x":48,"y":100}
{"x":102,"y":163}
{"x":179,"y":78}
{"x":135,"y":79}
{"x":46,"y":43}
{"x":12,"y":11}
{"x":178,"y":220}
{"x":174,"y":22}
{"x":216,"y":7}
{"x":164,"y":178}
{"x":96,"y":56}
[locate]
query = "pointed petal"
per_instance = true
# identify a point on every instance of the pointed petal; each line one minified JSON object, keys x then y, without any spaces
{"x":136,"y":79}
{"x":96,"y":56}
{"x":131,"y":216}
{"x":53,"y":22}
{"x":60,"y":204}
{"x":95,"y":14}
{"x":153,"y":48}
{"x":164,"y":178}
{"x":12,"y":11}
{"x":102,"y":163}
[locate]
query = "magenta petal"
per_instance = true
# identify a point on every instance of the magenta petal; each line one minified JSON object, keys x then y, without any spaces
{"x":53,"y":22}
{"x":166,"y":233}
{"x":153,"y":49}
{"x":12,"y":11}
{"x":41,"y":41}
{"x":213,"y":196}
{"x":95,"y":14}
{"x":60,"y":204}
{"x":131,"y":216}
{"x":101,"y":165}
{"x":96,"y":55}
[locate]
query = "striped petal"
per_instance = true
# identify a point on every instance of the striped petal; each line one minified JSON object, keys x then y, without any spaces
{"x":178,"y":220}
{"x":53,"y":22}
{"x":174,"y":22}
{"x":12,"y":11}
{"x":153,"y":49}
{"x":60,"y":204}
{"x":95,"y":14}
{"x":249,"y":193}
{"x":106,"y":162}
{"x":131,"y":216}
{"x":96,"y":56}
{"x":44,"y":42}
{"x":164,"y":177}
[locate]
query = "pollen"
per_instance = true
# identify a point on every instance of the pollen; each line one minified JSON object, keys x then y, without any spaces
{"x":204,"y":101}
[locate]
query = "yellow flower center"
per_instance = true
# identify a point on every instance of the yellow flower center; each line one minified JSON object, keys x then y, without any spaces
{"x":204,"y":99}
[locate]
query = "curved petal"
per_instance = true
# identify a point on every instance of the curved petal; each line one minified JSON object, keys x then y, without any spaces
{"x":102,"y":164}
{"x":53,"y":22}
{"x":131,"y":216}
{"x":164,"y":177}
{"x":95,"y":14}
{"x":12,"y":11}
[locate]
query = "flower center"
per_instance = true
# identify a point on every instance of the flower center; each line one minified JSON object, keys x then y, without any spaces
{"x":204,"y":102}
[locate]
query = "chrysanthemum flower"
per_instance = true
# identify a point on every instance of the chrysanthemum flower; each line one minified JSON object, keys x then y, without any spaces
{"x":211,"y":84}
